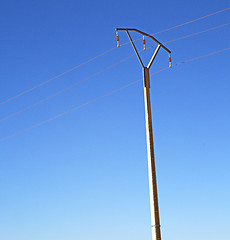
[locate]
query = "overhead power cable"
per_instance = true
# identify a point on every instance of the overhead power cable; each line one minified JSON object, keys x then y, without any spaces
{"x":100,"y":55}
{"x":195,"y":20}
{"x":180,"y":25}
{"x":51,"y":79}
{"x":64,"y":90}
{"x":113,"y":65}
{"x":191,"y":35}
{"x":117,"y":90}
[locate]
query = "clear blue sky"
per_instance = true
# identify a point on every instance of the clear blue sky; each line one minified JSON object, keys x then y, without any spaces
{"x":84,"y":175}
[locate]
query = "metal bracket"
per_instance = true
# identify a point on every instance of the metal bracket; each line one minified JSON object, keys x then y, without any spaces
{"x":146,"y":77}
{"x":135,"y":49}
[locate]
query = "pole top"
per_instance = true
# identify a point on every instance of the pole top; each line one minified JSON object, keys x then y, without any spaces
{"x":145,"y":34}
{"x":135,"y":49}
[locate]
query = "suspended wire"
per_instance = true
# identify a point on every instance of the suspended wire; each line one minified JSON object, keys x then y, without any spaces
{"x":195,"y":20}
{"x":51,"y":79}
{"x":117,"y":90}
{"x":180,"y":25}
{"x":206,"y":55}
{"x":100,"y":55}
{"x":64,"y":90}
{"x":191,"y":35}
{"x":113,"y":65}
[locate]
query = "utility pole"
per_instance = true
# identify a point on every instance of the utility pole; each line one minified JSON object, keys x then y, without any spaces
{"x":154,"y":207}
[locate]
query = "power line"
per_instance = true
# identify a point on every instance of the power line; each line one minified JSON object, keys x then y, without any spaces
{"x":191,"y":35}
{"x":203,"y":56}
{"x":180,"y":25}
{"x":195,"y":20}
{"x":84,"y":80}
{"x":100,"y":55}
{"x":51,"y":79}
{"x":64,"y":90}
{"x":128,"y":85}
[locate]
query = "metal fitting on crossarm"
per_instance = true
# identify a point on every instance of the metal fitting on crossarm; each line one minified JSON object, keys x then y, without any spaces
{"x":117,"y":38}
{"x":170,"y":61}
{"x":144,"y":43}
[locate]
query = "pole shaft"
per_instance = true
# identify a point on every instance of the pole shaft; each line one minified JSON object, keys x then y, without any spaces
{"x":155,"y":218}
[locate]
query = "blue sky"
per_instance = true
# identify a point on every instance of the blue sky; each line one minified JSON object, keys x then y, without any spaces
{"x":84,"y":175}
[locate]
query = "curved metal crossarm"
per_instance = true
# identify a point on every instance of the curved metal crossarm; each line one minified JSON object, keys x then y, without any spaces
{"x":135,"y":49}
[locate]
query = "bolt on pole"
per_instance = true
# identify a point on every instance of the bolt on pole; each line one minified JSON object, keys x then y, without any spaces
{"x":154,"y":206}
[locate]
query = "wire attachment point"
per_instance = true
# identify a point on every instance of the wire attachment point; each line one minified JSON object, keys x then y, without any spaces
{"x":170,"y":61}
{"x":117,"y":38}
{"x":144,"y":42}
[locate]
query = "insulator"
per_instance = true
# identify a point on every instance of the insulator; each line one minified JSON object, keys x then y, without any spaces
{"x":144,"y":42}
{"x":117,"y":38}
{"x":170,"y":61}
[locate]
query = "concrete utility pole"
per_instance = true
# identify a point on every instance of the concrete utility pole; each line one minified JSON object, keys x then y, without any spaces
{"x":155,"y":218}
